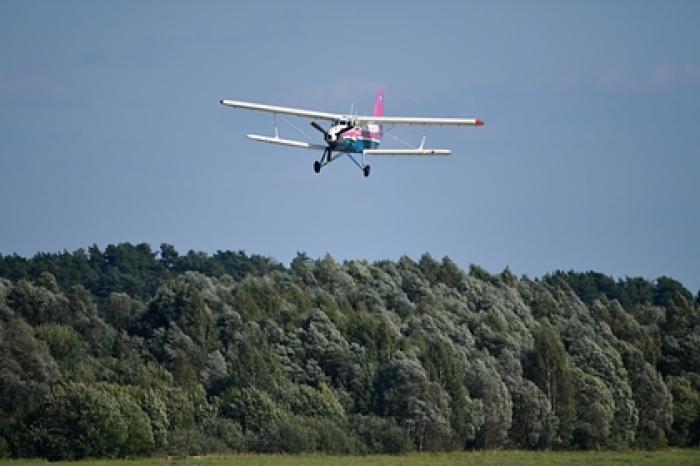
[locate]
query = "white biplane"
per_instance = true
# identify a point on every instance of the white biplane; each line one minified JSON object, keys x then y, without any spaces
{"x":351,"y":134}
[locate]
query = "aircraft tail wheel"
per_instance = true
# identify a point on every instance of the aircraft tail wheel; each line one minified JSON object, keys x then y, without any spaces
{"x":365,"y":171}
{"x":317,"y":166}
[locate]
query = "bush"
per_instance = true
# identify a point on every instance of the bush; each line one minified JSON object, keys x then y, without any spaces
{"x":380,"y":435}
{"x":229,"y":432}
{"x":332,"y":437}
{"x":187,"y":442}
{"x":4,"y":451}
{"x":286,"y":435}
{"x":79,"y":420}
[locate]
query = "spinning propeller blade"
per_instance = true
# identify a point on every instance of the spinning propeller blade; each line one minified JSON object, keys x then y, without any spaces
{"x":320,"y":128}
{"x":344,"y":130}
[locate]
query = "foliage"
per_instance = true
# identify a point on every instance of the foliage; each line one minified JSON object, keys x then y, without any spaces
{"x":76,"y":421}
{"x":130,"y":352}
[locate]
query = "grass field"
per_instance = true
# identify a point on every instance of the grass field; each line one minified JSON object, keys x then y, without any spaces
{"x":486,"y":458}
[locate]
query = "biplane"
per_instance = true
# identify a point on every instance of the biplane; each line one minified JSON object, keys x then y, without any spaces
{"x":351,"y":135}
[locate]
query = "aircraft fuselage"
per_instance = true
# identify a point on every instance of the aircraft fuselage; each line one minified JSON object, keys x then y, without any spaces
{"x":356,"y":139}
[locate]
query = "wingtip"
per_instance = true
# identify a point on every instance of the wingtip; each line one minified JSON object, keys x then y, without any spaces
{"x":479,"y":122}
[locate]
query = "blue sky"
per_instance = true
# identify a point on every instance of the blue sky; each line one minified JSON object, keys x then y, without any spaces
{"x":110,"y":130}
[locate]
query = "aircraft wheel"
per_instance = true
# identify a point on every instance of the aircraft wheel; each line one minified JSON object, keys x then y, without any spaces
{"x":317,"y":166}
{"x":365,"y":171}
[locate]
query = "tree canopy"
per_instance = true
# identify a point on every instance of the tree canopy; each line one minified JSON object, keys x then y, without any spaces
{"x":128,"y":351}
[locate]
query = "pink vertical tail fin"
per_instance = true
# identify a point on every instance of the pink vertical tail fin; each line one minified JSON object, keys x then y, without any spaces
{"x":379,"y":104}
{"x":379,"y":111}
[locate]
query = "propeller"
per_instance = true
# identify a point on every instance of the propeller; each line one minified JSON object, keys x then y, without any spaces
{"x":328,"y":151}
{"x":346,"y":129}
{"x":327,"y":136}
{"x":320,"y":128}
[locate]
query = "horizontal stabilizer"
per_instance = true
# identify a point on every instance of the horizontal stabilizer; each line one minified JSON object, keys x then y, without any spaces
{"x":409,"y":152}
{"x":285,"y":142}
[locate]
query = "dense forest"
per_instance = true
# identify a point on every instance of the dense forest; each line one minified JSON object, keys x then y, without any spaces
{"x":128,"y":351}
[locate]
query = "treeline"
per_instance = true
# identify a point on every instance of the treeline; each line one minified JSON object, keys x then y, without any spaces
{"x":132,"y":352}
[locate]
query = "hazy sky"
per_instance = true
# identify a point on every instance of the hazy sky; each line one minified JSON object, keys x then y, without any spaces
{"x":111,"y":131}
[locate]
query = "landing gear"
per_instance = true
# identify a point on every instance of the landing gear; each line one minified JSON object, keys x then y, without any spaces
{"x":329,"y":157}
{"x":325,"y":159}
{"x":342,"y":146}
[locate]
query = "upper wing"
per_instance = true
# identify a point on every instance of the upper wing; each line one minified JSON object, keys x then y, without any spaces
{"x":390,"y":120}
{"x":418,"y":121}
{"x":286,"y":110}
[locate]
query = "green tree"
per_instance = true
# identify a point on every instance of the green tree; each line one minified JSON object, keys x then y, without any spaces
{"x":121,"y":310}
{"x":595,"y":410}
{"x":380,"y":435}
{"x":26,"y":372}
{"x":77,"y":421}
{"x":686,"y":411}
{"x":652,"y":398}
{"x":551,"y":372}
{"x":420,"y":406}
{"x":253,"y":409}
{"x":65,"y":345}
{"x":485,"y":384}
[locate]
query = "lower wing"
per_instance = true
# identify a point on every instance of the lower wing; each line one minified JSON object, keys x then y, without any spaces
{"x":285,"y":142}
{"x":387,"y":152}
{"x":409,"y":152}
